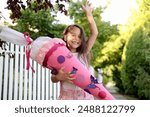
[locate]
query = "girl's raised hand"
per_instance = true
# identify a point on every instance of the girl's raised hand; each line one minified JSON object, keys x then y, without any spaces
{"x":87,"y":7}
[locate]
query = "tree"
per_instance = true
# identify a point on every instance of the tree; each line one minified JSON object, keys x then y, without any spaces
{"x":39,"y":23}
{"x":135,"y":71}
{"x":16,"y":6}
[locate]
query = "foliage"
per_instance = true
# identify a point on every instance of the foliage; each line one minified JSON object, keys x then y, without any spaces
{"x":135,"y":72}
{"x":16,"y":6}
{"x":136,"y":67}
{"x":39,"y":23}
{"x":125,"y":57}
{"x":110,"y":58}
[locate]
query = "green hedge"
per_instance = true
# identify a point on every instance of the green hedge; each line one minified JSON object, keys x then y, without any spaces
{"x":135,"y":73}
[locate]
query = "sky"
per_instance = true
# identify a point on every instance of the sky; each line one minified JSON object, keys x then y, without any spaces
{"x":117,"y":12}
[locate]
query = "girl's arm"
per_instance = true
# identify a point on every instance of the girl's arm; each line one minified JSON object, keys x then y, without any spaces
{"x":92,"y":25}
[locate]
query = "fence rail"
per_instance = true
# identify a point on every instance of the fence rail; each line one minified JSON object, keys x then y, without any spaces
{"x":16,"y":83}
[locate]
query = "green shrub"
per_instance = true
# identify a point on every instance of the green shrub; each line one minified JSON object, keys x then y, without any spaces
{"x":136,"y":66}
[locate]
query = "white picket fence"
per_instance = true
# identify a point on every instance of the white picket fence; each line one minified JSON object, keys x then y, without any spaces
{"x":16,"y":83}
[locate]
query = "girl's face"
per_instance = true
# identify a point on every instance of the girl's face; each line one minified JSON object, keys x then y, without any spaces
{"x":73,"y":39}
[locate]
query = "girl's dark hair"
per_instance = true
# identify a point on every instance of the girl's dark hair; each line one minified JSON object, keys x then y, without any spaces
{"x":81,"y":49}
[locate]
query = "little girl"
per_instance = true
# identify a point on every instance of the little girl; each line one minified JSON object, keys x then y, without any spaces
{"x":77,"y":44}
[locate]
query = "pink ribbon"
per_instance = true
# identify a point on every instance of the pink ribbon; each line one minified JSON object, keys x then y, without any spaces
{"x":27,"y":37}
